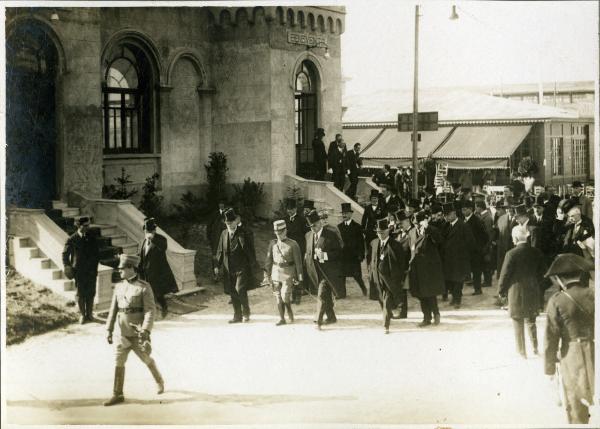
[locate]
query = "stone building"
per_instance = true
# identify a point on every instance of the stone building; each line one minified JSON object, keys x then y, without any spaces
{"x":93,"y":90}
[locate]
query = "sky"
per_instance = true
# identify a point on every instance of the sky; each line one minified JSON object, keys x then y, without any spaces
{"x":492,"y":43}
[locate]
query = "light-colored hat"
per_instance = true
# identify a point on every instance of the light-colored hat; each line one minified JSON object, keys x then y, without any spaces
{"x":279,"y":225}
{"x":128,"y":260}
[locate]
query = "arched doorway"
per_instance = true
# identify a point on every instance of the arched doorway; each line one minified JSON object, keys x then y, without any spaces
{"x":31,"y":71}
{"x":306,"y":117}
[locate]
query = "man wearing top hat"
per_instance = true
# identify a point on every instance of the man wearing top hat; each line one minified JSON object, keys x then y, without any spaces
{"x":296,"y":230}
{"x":569,"y":340}
{"x":480,"y":241}
{"x":373,"y":211}
{"x":582,"y":200}
{"x":489,"y":264}
{"x":237,"y":257}
{"x":354,"y":247}
{"x":405,"y":237}
{"x":80,"y":258}
{"x":387,"y":270}
{"x":154,"y":267}
{"x":132,"y":310}
{"x":215,"y":227}
{"x":354,"y":162}
{"x":319,"y":154}
{"x":283,"y":269}
{"x":456,"y":253}
{"x":323,"y":259}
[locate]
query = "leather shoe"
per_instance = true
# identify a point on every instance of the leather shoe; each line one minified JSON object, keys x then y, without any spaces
{"x":281,"y":322}
{"x":235,"y":321}
{"x":386,"y":331}
{"x":116,"y":399}
{"x":477,"y":292}
{"x":330,"y":321}
{"x":246,"y":319}
{"x":424,"y":323}
{"x":436,"y":319}
{"x":82,"y":320}
{"x":456,"y":306}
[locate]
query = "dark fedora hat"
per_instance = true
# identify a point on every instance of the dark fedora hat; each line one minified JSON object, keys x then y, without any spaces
{"x":521,"y":210}
{"x":467,"y":204}
{"x":436,"y":208}
{"x":422,"y":215}
{"x":401,"y":215}
{"x":313,"y":217}
{"x":539,"y":201}
{"x":382,"y":224}
{"x":230,"y":215}
{"x":346,"y":208}
{"x":374,"y":193}
{"x":413,"y":202}
{"x":83,"y":220}
{"x":149,"y":224}
{"x":448,"y":208}
{"x":577,"y":184}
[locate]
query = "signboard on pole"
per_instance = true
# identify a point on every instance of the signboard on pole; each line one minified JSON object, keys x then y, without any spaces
{"x":428,"y":121}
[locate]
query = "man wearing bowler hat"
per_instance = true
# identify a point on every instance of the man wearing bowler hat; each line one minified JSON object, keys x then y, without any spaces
{"x":387,"y":270}
{"x":569,"y":341}
{"x":132,"y":309}
{"x":80,"y":257}
{"x":237,"y":257}
{"x":354,"y":247}
{"x":323,"y":259}
{"x":154,"y":267}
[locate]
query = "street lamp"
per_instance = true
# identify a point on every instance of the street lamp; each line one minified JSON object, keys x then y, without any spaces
{"x":415,"y":118}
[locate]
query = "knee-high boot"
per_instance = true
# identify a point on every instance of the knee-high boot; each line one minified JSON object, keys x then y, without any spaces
{"x":281,"y":309}
{"x":160,"y":383}
{"x":117,"y":396}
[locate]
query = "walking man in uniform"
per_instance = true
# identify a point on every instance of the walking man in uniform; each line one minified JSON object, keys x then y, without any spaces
{"x":283,"y":269}
{"x":237,"y":257}
{"x":80,"y":257}
{"x":132,"y":304}
{"x":570,"y":334}
{"x":354,"y":247}
{"x":154,"y":267}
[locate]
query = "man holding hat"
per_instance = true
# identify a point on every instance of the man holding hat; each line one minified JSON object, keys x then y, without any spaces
{"x":373,"y":211}
{"x":80,"y":258}
{"x":215,"y":227}
{"x":237,"y":257}
{"x":570,"y":334}
{"x":387,"y":270}
{"x":323,"y":259}
{"x":132,"y":309}
{"x":354,"y":247}
{"x":582,"y":200}
{"x":283,"y":269}
{"x":154,"y":267}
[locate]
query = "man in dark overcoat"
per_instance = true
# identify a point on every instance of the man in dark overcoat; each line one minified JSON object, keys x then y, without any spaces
{"x":354,"y":162}
{"x":487,"y":220}
{"x":372,"y":213}
{"x":319,"y":154}
{"x":389,"y":198}
{"x":387,"y":270}
{"x":504,"y":243}
{"x":569,"y":338}
{"x":338,"y":164}
{"x":354,"y":247}
{"x":521,"y":274}
{"x":579,"y":229}
{"x":480,"y":241}
{"x":154,"y":267}
{"x":323,"y":260}
{"x":214,"y":228}
{"x":426,"y":278}
{"x":237,"y":257}
{"x":456,"y":253}
{"x":406,"y":237}
{"x":80,"y":258}
{"x":296,"y":230}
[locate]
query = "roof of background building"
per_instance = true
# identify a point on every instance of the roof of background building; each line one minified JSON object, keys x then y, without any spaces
{"x":451,"y":105}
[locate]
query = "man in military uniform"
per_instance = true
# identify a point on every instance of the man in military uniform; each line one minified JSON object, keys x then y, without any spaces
{"x":80,"y":257}
{"x":354,"y":247}
{"x":236,"y":255}
{"x":570,"y":334}
{"x":132,"y":305}
{"x":154,"y":267}
{"x":283,"y":269}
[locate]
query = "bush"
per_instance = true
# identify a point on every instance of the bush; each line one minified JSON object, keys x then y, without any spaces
{"x":151,"y":203}
{"x":293,"y":192}
{"x":216,"y":175}
{"x":119,"y":192}
{"x":247,"y":198}
{"x":192,"y":208}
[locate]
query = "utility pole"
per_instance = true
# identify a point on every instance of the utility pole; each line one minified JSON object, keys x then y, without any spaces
{"x":415,"y":118}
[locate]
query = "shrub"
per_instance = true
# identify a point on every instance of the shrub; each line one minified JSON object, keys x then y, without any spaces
{"x":192,"y":208}
{"x":151,"y":203}
{"x":291,"y":192}
{"x":247,"y":198}
{"x":119,"y":192}
{"x":216,"y":175}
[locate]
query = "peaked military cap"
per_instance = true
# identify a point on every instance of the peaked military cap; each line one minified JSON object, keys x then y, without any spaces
{"x":569,"y":263}
{"x":279,"y":225}
{"x":126,"y":260}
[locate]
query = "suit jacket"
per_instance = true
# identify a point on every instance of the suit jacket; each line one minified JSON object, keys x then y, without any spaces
{"x":488,"y":225}
{"x":337,"y":160}
{"x":354,"y":162}
{"x":296,"y":230}
{"x":319,"y":154}
{"x":394,"y":201}
{"x":369,"y":220}
{"x":238,"y":259}
{"x":154,"y":267}
{"x":329,"y":270}
{"x":426,"y":277}
{"x":354,"y":246}
{"x":82,"y":254}
{"x":521,"y":274}
{"x":585,"y":230}
{"x":456,"y":251}
{"x":388,"y":267}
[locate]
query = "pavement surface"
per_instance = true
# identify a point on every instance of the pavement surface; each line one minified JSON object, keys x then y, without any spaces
{"x":465,"y":370}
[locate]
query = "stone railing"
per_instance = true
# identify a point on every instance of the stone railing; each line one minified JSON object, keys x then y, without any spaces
{"x":50,"y":239}
{"x":130,"y":220}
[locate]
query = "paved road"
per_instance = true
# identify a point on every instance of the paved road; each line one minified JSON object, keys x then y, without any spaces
{"x":465,"y":370}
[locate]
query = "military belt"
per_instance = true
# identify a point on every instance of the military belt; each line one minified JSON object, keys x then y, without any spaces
{"x":131,"y":310}
{"x":285,"y":264}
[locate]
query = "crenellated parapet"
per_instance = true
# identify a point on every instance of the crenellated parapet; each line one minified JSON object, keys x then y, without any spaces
{"x":323,"y":19}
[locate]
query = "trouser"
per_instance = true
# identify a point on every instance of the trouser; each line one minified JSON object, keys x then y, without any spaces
{"x":126,"y":345}
{"x":86,"y":291}
{"x":320,"y":172}
{"x":386,"y":301}
{"x":429,"y":307}
{"x":338,"y":179}
{"x":403,"y":303}
{"x":455,"y":288}
{"x":476,"y":276}
{"x":325,"y":302}
{"x":519,"y":327}
{"x":357,"y":276}
{"x":351,"y":191}
{"x":239,"y":300}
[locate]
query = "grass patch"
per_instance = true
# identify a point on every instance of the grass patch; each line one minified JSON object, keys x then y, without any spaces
{"x":32,"y":309}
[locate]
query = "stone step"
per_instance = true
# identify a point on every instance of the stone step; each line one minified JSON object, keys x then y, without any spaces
{"x":62,"y":285}
{"x":24,"y":242}
{"x":70,"y":212}
{"x":130,"y":248}
{"x":52,"y":273}
{"x":59,"y":204}
{"x":105,"y":230}
{"x":31,"y":252}
{"x":41,"y":263}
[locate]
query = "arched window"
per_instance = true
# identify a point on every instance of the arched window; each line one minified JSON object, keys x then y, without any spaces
{"x":306,"y":117}
{"x":127,"y":101}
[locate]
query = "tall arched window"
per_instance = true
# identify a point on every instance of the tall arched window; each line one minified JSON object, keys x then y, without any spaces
{"x":306,"y":118}
{"x":127,"y":101}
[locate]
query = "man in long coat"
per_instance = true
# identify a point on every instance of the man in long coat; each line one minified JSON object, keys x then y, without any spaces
{"x":80,"y":257}
{"x":214,"y":228}
{"x":319,"y":154}
{"x":426,"y":278}
{"x":237,"y":257}
{"x":372,"y":213}
{"x":296,"y":230}
{"x":570,"y":334}
{"x":406,"y":237}
{"x":488,"y":266}
{"x":354,"y":163}
{"x":323,"y":260}
{"x":480,"y":240}
{"x":338,"y":164}
{"x":387,"y":270}
{"x":154,"y":267}
{"x":456,"y":251}
{"x":521,"y":274}
{"x":504,"y":243}
{"x":354,"y":247}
